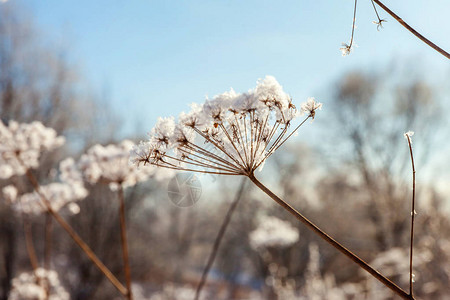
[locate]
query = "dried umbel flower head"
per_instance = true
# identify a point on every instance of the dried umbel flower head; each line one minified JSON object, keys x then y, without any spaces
{"x":58,"y":194}
{"x":346,"y":49}
{"x":231,"y":134}
{"x":34,"y":286}
{"x":408,"y":135}
{"x":21,"y":145}
{"x":110,"y":165}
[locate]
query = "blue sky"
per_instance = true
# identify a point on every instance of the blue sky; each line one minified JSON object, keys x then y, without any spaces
{"x":155,"y":57}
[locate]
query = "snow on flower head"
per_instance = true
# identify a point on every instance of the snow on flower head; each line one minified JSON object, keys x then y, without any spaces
{"x":273,"y":232}
{"x":21,"y":145}
{"x":60,"y":194}
{"x":34,"y":286}
{"x":10,"y":193}
{"x":231,"y":134}
{"x":408,"y":135}
{"x":110,"y":164}
{"x":311,"y":106}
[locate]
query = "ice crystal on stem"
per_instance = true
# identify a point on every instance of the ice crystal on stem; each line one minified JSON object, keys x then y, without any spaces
{"x":39,"y":285}
{"x":21,"y":145}
{"x":231,"y":134}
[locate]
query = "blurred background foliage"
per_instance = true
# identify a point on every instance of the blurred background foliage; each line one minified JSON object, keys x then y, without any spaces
{"x":352,"y":177}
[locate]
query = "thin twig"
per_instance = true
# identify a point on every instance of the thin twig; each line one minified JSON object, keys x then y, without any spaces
{"x":29,"y":242}
{"x":218,"y":239}
{"x":353,"y":24}
{"x":331,"y":241}
{"x":77,"y":239}
{"x":123,"y":235}
{"x":413,"y":212}
{"x":48,"y":240}
{"x":412,"y":30}
{"x":376,"y":12}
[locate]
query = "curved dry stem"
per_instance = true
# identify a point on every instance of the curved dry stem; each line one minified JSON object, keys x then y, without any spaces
{"x":395,"y":288}
{"x":413,"y":212}
{"x":123,"y":235}
{"x":77,"y":239}
{"x":353,"y":24}
{"x":412,"y":30}
{"x":218,"y":239}
{"x":48,"y":240}
{"x":29,"y":242}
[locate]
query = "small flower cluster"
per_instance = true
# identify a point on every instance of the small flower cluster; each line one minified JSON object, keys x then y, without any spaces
{"x":110,"y":165}
{"x":22,"y":144}
{"x":273,"y":232}
{"x":408,"y":136}
{"x":231,"y":134}
{"x":58,"y":194}
{"x":34,"y":286}
{"x":379,"y":23}
{"x":346,"y":49}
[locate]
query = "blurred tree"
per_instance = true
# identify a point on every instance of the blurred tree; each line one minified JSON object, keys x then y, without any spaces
{"x":38,"y":82}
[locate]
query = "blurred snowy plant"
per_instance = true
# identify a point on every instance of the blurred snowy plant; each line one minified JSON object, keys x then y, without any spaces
{"x":172,"y":291}
{"x":21,"y":145}
{"x":281,"y":284}
{"x":393,"y":262}
{"x":110,"y":165}
{"x":273,"y":232}
{"x":10,"y":193}
{"x":58,"y":194}
{"x":316,"y":286}
{"x":244,"y":129}
{"x":39,"y":285}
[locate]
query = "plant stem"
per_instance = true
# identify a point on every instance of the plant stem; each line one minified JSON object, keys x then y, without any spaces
{"x":218,"y":239}
{"x":29,"y":242}
{"x":413,"y":212}
{"x":412,"y":30}
{"x":330,"y":240}
{"x":123,"y":235}
{"x":353,"y":24}
{"x":75,"y":236}
{"x":48,"y":240}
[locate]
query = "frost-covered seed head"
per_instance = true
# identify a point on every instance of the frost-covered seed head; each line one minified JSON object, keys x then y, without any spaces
{"x":60,"y":194}
{"x":34,"y":286}
{"x":230,"y":134}
{"x":110,"y":164}
{"x":346,"y":49}
{"x":21,"y":145}
{"x":408,"y":136}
